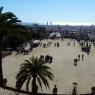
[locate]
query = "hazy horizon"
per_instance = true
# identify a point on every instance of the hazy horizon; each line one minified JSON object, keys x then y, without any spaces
{"x":62,"y":23}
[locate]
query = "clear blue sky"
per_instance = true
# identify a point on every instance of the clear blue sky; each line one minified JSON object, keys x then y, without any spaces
{"x":77,"y":11}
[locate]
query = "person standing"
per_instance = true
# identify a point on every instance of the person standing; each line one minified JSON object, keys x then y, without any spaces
{"x":55,"y":90}
{"x":74,"y":91}
{"x":79,"y":57}
{"x":82,"y":57}
{"x":75,"y":62}
{"x":74,"y":44}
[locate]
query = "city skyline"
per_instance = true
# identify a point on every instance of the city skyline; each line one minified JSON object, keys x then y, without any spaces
{"x":73,"y":12}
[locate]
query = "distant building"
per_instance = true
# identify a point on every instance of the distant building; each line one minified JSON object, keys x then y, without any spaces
{"x":55,"y":35}
{"x":92,"y":36}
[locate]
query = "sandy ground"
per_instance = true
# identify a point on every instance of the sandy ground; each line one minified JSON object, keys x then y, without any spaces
{"x":62,"y":67}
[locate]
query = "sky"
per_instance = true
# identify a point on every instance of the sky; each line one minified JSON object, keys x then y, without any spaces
{"x":55,"y":11}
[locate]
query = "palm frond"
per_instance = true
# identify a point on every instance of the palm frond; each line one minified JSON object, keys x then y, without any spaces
{"x":40,"y":83}
{"x":1,"y":8}
{"x":48,"y":74}
{"x":20,"y":81}
{"x":45,"y":81}
{"x":27,"y":83}
{"x":21,"y":73}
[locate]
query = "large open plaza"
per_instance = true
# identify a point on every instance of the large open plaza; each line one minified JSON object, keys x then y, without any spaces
{"x":65,"y":73}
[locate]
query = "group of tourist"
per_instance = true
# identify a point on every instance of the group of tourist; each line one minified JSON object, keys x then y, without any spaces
{"x":78,"y":59}
{"x":24,"y":48}
{"x":46,"y":45}
{"x":85,"y":46}
{"x":68,"y":44}
{"x":56,"y":44}
{"x":47,"y":58}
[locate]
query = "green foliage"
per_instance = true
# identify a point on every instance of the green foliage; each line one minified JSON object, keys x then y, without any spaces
{"x":1,"y":8}
{"x":10,"y":27}
{"x":39,"y":33}
{"x":32,"y":69}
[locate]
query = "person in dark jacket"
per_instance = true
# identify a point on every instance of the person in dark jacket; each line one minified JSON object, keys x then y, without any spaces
{"x":55,"y":90}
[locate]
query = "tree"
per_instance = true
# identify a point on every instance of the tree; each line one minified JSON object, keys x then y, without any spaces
{"x":34,"y":71}
{"x":8,"y":25}
{"x":39,"y":33}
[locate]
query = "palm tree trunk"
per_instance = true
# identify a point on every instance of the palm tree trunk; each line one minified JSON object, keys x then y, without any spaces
{"x":1,"y":73}
{"x":34,"y":86}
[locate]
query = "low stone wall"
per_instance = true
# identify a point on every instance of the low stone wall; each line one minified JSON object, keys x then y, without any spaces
{"x":30,"y":93}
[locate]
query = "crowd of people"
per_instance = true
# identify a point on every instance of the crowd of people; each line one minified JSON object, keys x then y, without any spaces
{"x":46,"y":58}
{"x":24,"y":48}
{"x":80,"y":57}
{"x":56,"y":44}
{"x":85,"y":47}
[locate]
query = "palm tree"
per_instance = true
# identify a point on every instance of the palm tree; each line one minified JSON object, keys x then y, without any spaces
{"x":34,"y":71}
{"x":8,"y":24}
